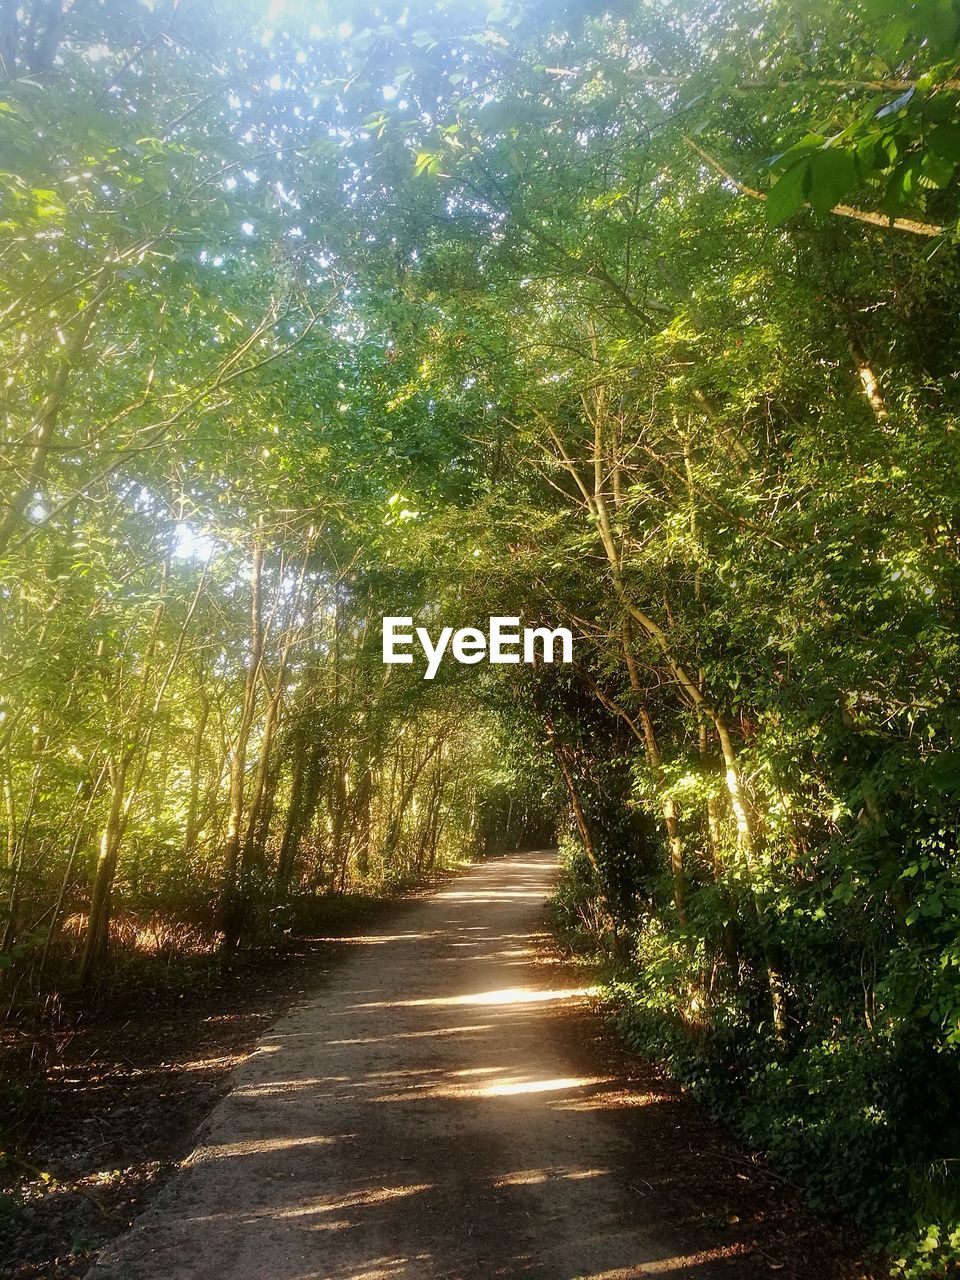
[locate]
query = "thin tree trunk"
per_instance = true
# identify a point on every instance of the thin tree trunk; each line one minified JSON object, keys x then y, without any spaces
{"x":646,"y":735}
{"x":45,"y":424}
{"x":670,"y":818}
{"x":232,"y":909}
{"x":253,"y":846}
{"x":16,"y":868}
{"x":713,"y":820}
{"x":122,"y":795}
{"x":291,"y":826}
{"x":307,"y":783}
{"x":586,"y":834}
{"x":192,"y":828}
{"x":867,"y":375}
{"x":78,"y":839}
{"x":595,"y":503}
{"x":98,"y":923}
{"x":364,"y":788}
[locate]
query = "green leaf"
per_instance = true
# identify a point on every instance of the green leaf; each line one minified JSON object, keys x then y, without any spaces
{"x":832,"y":173}
{"x":936,"y":171}
{"x":427,"y":162}
{"x":944,"y":141}
{"x":786,"y":159}
{"x":788,"y":193}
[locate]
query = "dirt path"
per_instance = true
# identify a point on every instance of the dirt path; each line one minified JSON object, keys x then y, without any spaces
{"x":430,"y":1116}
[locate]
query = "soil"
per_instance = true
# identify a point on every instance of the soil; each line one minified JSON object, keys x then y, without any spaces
{"x":449,"y":1107}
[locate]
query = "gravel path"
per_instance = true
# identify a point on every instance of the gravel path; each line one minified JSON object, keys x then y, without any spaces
{"x":428,"y":1116}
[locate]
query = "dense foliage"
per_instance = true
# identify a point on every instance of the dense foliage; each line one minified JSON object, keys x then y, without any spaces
{"x":636,"y":318}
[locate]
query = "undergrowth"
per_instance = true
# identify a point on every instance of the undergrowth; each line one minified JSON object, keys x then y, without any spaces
{"x":865,"y":1123}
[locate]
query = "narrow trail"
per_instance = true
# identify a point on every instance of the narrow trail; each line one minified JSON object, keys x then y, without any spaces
{"x":427,"y":1117}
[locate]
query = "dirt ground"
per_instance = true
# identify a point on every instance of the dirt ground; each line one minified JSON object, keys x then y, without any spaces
{"x":448,"y":1107}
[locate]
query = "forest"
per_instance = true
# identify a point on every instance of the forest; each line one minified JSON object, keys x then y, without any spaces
{"x":638,"y":319}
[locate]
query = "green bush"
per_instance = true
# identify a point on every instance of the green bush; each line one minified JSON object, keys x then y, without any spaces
{"x":864,"y":1121}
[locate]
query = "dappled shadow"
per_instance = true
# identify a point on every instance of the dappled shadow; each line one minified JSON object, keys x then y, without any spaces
{"x":424,"y":1119}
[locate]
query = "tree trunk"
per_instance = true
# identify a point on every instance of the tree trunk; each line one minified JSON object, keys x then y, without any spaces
{"x":291,"y":826}
{"x":595,"y":502}
{"x":232,"y":908}
{"x":45,"y":423}
{"x":192,"y":829}
{"x":364,"y":790}
{"x":98,"y":923}
{"x":670,"y":819}
{"x":586,"y":835}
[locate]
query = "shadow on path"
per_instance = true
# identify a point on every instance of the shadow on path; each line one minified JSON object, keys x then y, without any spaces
{"x":425,"y":1118}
